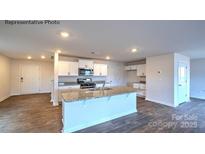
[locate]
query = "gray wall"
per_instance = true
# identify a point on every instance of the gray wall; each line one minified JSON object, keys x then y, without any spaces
{"x":198,"y":78}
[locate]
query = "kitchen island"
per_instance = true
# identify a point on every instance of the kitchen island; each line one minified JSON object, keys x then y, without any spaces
{"x":85,"y":108}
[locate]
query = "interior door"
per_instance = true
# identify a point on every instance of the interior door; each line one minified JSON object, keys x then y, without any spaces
{"x":29,"y":79}
{"x":182,"y":82}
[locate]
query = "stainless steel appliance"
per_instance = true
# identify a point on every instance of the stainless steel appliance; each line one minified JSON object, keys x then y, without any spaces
{"x":85,"y":72}
{"x":86,"y":83}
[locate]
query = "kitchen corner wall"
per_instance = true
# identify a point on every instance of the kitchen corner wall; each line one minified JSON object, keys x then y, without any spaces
{"x":46,"y":75}
{"x":162,"y":78}
{"x":4,"y":77}
{"x":116,"y":74}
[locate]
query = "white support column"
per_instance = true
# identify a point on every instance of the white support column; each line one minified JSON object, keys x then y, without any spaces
{"x":56,"y":59}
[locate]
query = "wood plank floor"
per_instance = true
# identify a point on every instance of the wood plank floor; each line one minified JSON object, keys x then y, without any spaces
{"x":34,"y":113}
{"x":29,"y":114}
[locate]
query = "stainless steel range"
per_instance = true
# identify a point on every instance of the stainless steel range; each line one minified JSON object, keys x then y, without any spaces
{"x":86,"y":83}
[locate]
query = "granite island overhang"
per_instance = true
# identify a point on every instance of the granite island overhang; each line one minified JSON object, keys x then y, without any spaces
{"x":85,"y":108}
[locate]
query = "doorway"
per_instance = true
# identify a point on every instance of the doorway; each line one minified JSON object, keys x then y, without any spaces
{"x":29,"y":79}
{"x":182,"y":82}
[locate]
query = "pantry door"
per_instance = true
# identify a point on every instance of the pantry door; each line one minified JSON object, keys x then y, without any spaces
{"x":29,"y":79}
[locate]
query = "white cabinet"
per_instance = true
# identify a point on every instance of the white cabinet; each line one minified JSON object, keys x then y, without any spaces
{"x":131,"y":68}
{"x":127,"y":68}
{"x":100,"y":69}
{"x":141,"y":89}
{"x":141,"y":86}
{"x":63,"y":67}
{"x":141,"y":70}
{"x":67,"y":68}
{"x":136,"y":85}
{"x":84,"y":63}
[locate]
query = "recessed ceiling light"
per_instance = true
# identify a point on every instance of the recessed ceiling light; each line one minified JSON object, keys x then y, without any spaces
{"x":134,"y":50}
{"x":107,"y":57}
{"x":43,"y":57}
{"x":58,"y":51}
{"x":64,"y":34}
{"x":29,"y":57}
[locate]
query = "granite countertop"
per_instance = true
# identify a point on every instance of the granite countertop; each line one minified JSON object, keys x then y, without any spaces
{"x":61,"y":84}
{"x":80,"y":94}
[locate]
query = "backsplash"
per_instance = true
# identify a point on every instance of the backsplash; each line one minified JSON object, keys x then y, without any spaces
{"x":74,"y":79}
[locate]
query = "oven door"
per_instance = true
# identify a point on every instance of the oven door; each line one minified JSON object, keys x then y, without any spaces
{"x":85,"y":72}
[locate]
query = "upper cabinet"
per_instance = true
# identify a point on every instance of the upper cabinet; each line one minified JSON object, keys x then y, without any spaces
{"x":68,"y":68}
{"x":84,"y":63}
{"x":141,"y":70}
{"x":100,"y":69}
{"x":131,"y":68}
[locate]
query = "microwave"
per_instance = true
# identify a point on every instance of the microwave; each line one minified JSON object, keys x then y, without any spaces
{"x":85,"y":72}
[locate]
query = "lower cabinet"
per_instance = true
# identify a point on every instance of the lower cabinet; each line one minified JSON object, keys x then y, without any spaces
{"x":141,"y":87}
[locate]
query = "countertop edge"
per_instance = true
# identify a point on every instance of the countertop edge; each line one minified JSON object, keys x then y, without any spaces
{"x":89,"y":98}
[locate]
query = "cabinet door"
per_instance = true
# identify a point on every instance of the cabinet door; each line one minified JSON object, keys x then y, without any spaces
{"x":133,"y":67}
{"x":83,"y":63}
{"x":73,"y":68}
{"x":100,"y":69}
{"x":63,"y":68}
{"x":97,"y":69}
{"x":142,"y":86}
{"x":90,"y":64}
{"x":127,"y":68}
{"x":136,"y":85}
{"x":141,"y":70}
{"x":103,"y":69}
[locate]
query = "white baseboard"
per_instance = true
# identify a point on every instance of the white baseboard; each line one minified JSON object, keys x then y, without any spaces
{"x":159,"y":102}
{"x":200,"y":98}
{"x":4,"y":98}
{"x":41,"y":92}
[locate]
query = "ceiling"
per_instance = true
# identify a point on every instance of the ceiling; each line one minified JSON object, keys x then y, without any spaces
{"x":105,"y":38}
